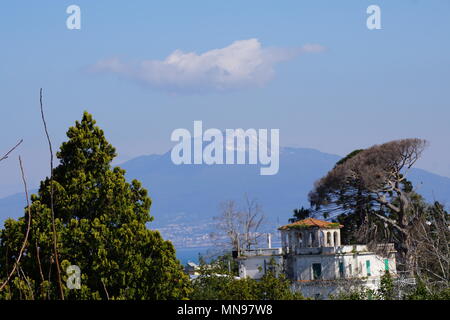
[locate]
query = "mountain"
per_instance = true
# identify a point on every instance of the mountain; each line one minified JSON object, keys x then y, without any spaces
{"x":197,"y":190}
{"x":187,"y":197}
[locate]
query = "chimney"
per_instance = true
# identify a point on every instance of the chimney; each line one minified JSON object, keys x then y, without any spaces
{"x":269,"y":241}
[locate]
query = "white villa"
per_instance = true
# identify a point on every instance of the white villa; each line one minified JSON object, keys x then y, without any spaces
{"x":314,"y":259}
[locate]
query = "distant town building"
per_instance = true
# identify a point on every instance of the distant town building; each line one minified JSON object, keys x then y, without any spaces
{"x":192,"y":269}
{"x":312,"y":256}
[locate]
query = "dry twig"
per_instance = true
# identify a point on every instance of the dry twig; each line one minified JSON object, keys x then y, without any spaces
{"x":9,"y":152}
{"x":55,"y":237}
{"x":25,"y":241}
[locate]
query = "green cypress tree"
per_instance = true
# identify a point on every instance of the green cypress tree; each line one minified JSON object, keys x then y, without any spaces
{"x":101,"y":228}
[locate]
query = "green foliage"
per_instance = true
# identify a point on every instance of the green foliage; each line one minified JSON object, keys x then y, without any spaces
{"x":332,"y":225}
{"x":387,"y":289}
{"x":360,"y":293}
{"x":421,"y":292}
{"x":222,"y":264}
{"x":227,"y":287}
{"x":273,"y":287}
{"x":300,"y":214}
{"x":213,"y":285}
{"x":349,"y":156}
{"x":359,"y":208}
{"x":101,"y":227}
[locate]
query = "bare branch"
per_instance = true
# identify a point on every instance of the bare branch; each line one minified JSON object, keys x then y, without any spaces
{"x":55,"y":236}
{"x":9,"y":152}
{"x":25,"y":241}
{"x":106,"y":290}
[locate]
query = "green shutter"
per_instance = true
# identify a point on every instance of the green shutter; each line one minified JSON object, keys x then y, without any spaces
{"x":341,"y":269}
{"x":386,"y":264}
{"x":317,"y":271}
{"x":368,"y":268}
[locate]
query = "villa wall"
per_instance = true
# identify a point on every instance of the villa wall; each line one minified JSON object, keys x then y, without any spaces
{"x":254,"y":266}
{"x":319,"y":266}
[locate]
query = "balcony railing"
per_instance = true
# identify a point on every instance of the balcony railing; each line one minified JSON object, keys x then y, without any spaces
{"x":261,"y":252}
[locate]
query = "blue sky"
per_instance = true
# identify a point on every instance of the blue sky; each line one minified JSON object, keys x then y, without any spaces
{"x":365,"y":87}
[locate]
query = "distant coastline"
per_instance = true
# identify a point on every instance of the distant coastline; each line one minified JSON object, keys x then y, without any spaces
{"x":190,"y":254}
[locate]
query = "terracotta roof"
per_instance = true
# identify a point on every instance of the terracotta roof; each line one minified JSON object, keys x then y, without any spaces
{"x":311,"y":223}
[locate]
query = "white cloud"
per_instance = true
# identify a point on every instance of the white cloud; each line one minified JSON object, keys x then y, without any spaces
{"x":244,"y":63}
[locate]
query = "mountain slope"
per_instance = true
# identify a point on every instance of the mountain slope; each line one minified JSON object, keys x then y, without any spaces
{"x":199,"y":189}
{"x":187,"y":197}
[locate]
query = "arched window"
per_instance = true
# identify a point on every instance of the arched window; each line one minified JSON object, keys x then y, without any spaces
{"x":335,"y":238}
{"x":328,"y":238}
{"x":311,"y":239}
{"x":321,"y":239}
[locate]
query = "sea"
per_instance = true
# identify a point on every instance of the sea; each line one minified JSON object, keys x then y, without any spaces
{"x":191,"y":254}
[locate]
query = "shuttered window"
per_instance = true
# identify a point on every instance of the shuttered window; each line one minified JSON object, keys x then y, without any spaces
{"x":317,"y":271}
{"x":368,"y":268}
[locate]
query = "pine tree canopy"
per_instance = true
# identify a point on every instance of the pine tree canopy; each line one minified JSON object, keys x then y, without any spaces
{"x":101,"y":227}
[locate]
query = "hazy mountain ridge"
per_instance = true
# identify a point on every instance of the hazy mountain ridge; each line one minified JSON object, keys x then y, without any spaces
{"x":187,"y":197}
